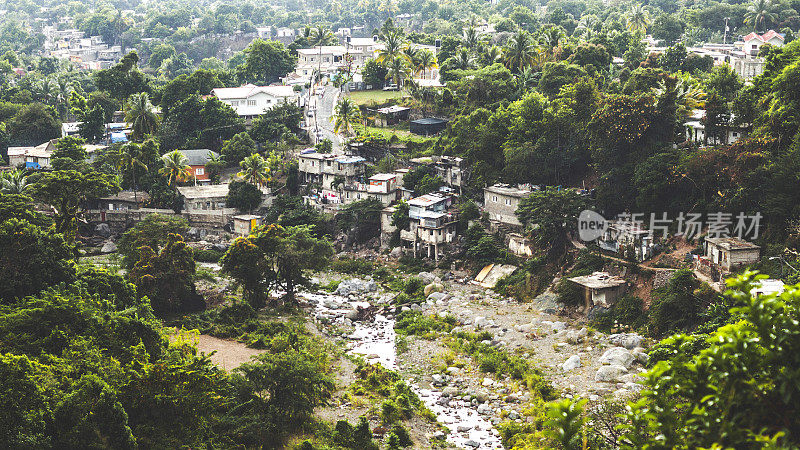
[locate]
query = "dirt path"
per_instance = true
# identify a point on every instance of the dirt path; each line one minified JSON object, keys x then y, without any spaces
{"x":229,"y":354}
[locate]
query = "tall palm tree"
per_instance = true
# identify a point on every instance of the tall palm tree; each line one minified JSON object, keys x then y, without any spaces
{"x":176,"y":167}
{"x":426,"y":60}
{"x":318,"y":37}
{"x":464,"y":59}
{"x":551,"y":38}
{"x":519,"y":51}
{"x":346,"y":115}
{"x":14,"y":182}
{"x":255,"y":170}
{"x":393,"y":45}
{"x":471,"y":38}
{"x":141,"y":114}
{"x":398,"y":70}
{"x":760,"y":13}
{"x":638,"y":18}
{"x":131,"y":158}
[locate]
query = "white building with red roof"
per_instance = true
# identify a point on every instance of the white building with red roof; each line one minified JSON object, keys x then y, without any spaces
{"x":250,"y":100}
{"x":754,"y":41}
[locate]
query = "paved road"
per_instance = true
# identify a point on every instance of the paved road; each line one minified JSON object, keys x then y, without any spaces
{"x":324,"y":106}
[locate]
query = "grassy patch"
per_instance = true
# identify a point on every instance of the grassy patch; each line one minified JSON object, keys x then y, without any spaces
{"x":374,"y":97}
{"x":414,"y":323}
{"x":500,"y":362}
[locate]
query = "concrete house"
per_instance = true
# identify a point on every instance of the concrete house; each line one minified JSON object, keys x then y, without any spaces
{"x":244,"y":224}
{"x":431,"y":225}
{"x":500,"y":202}
{"x":197,"y":160}
{"x":123,"y":200}
{"x":250,"y":100}
{"x":381,"y":186}
{"x":205,"y":199}
{"x":730,"y":253}
{"x":325,"y":168}
{"x":600,"y":289}
{"x":754,"y":41}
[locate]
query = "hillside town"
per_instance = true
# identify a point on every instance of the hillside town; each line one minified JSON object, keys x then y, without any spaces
{"x":387,"y":225}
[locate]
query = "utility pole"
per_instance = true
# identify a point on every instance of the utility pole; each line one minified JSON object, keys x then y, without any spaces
{"x":725,"y":35}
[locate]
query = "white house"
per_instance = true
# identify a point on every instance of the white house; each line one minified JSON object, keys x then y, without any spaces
{"x":753,"y":41}
{"x":250,"y":100}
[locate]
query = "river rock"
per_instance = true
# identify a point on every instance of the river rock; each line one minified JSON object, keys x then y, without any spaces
{"x":102,"y":229}
{"x":610,"y":374}
{"x":352,"y":314}
{"x":108,"y":247}
{"x":472,"y":444}
{"x":433,"y":287}
{"x":463,"y":428}
{"x":573,"y":362}
{"x":449,"y":391}
{"x":396,"y":252}
{"x":558,"y":326}
{"x":617,"y":356}
{"x":627,"y":340}
{"x":484,"y":409}
{"x":428,"y":277}
{"x":641,"y":356}
{"x":576,"y":336}
{"x":437,"y":297}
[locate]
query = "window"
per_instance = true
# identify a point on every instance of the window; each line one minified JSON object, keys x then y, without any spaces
{"x":200,"y":171}
{"x":494,"y":198}
{"x":269,"y":101}
{"x":234,"y":103}
{"x":508,"y":202}
{"x":327,"y":59}
{"x":251,"y":103}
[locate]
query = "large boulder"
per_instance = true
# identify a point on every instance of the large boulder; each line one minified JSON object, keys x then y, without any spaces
{"x":108,"y":247}
{"x":433,"y":287}
{"x":610,"y":374}
{"x":102,"y":229}
{"x":627,"y":340}
{"x":576,"y":336}
{"x":619,"y":356}
{"x":428,"y":277}
{"x":573,"y":362}
{"x":396,"y":252}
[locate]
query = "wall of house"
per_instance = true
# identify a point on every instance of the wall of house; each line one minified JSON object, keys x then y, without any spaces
{"x":743,"y":257}
{"x":501,"y":208}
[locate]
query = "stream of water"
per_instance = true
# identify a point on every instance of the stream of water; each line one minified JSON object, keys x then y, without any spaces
{"x":375,"y":340}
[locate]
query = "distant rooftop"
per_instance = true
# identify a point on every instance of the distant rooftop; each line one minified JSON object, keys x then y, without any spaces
{"x":599,"y":280}
{"x":508,"y":190}
{"x":207,"y":191}
{"x":732,"y":243}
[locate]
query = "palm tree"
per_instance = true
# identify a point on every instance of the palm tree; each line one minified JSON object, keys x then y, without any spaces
{"x":759,"y":13}
{"x":471,"y":38}
{"x":638,"y":18}
{"x":426,"y":60}
{"x":393,"y":46}
{"x":318,"y":37}
{"x":141,"y":114}
{"x":255,"y":170}
{"x":14,"y":182}
{"x":492,"y":55}
{"x":464,"y":59}
{"x":519,"y":51}
{"x":687,"y":96}
{"x":398,"y":70}
{"x":346,"y":115}
{"x":176,"y":167}
{"x":131,"y":158}
{"x":551,"y":38}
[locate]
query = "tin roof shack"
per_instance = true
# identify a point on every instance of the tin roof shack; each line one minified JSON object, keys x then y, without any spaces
{"x":391,"y":115}
{"x":729,"y":253}
{"x":500,"y":202}
{"x":600,"y":289}
{"x":768,"y":287}
{"x":243,"y":224}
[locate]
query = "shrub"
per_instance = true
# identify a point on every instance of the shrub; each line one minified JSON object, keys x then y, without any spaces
{"x":207,"y":255}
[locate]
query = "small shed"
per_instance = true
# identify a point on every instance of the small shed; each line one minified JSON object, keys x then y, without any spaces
{"x":243,"y":224}
{"x":123,"y":200}
{"x":427,"y":126}
{"x":600,"y":289}
{"x":391,"y":115}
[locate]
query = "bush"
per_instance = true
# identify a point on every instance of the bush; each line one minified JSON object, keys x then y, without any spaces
{"x":352,"y":266}
{"x":628,"y":310}
{"x":207,"y":255}
{"x":414,"y":323}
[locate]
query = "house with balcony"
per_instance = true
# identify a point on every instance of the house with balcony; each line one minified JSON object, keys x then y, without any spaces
{"x":432,"y":225}
{"x":329,"y":170}
{"x":381,"y":186}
